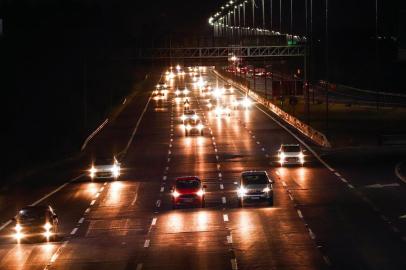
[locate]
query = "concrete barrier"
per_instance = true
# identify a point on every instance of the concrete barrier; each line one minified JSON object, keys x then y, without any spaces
{"x":314,"y":135}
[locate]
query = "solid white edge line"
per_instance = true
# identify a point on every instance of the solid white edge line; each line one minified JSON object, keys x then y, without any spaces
{"x":124,"y":151}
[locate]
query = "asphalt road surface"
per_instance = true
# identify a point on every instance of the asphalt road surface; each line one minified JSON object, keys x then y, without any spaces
{"x":322,"y":218}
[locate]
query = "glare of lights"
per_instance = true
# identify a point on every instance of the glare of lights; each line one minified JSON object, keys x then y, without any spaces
{"x":175,"y":194}
{"x":200,"y":192}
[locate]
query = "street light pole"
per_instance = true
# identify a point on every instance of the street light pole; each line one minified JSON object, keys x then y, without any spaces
{"x":280,"y":16}
{"x":271,"y":9}
{"x":253,"y":16}
{"x":327,"y":67}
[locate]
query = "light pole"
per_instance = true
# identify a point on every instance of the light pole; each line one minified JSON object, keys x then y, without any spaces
{"x":280,"y":16}
{"x":253,"y":16}
{"x":327,"y":67}
{"x":271,"y":9}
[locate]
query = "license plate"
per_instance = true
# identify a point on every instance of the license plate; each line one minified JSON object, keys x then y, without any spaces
{"x":255,"y":198}
{"x":188,"y":200}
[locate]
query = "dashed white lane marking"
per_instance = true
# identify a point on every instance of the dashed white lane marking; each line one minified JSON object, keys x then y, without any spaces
{"x":158,"y":203}
{"x":266,"y":155}
{"x":169,"y":159}
{"x":221,"y":186}
{"x":220,"y":175}
{"x":169,"y":152}
{"x":291,"y":197}
{"x":97,"y":194}
{"x":284,"y":183}
{"x":337,"y":174}
{"x":312,"y":235}
{"x":167,"y":168}
{"x":154,"y":221}
{"x":164,"y":177}
{"x":263,"y":149}
{"x":73,"y":231}
{"x":101,"y":189}
{"x":229,"y":239}
{"x":403,"y":217}
{"x":87,"y":210}
{"x":215,"y":150}
{"x":92,"y":202}
{"x":234,"y":265}
{"x":225,"y":217}
{"x":105,"y":183}
{"x":218,"y":166}
{"x":278,"y":173}
{"x":81,"y":220}
{"x":258,"y":142}
{"x":217,"y":157}
{"x":343,"y":179}
{"x":223,"y":200}
{"x":162,"y":189}
{"x":146,"y":244}
{"x":139,"y":266}
{"x":350,"y":186}
{"x":299,"y":213}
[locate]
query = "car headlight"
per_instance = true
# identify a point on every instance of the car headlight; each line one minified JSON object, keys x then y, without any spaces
{"x":219,"y":110}
{"x":241,"y":191}
{"x":47,"y":226}
{"x":246,"y":103}
{"x":183,"y":117}
{"x":267,"y":189}
{"x":200,"y":192}
{"x":175,"y":194}
{"x":115,"y":170}
{"x":92,"y":171}
{"x":18,"y":228}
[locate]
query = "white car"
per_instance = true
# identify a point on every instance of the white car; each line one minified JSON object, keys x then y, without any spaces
{"x":291,"y":154}
{"x":255,"y":186}
{"x":220,"y":111}
{"x":182,"y":92}
{"x":242,"y":102}
{"x":105,"y":168}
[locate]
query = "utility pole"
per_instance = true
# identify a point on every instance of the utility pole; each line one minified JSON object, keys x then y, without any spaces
{"x":271,"y":9}
{"x":253,"y":16}
{"x":84,"y":93}
{"x":376,"y":56}
{"x":280,"y":16}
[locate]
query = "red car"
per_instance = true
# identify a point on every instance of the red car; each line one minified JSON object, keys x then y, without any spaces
{"x":188,"y":191}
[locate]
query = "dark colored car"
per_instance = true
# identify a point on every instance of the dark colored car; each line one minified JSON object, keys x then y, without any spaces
{"x":39,"y":222}
{"x":188,"y":191}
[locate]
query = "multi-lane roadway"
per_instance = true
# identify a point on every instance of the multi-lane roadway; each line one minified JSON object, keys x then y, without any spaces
{"x":323,"y":216}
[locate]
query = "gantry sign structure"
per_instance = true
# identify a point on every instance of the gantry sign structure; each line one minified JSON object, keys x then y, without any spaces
{"x":221,"y":52}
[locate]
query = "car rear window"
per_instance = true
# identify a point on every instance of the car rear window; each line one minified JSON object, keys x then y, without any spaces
{"x":291,"y":148}
{"x":255,"y":179}
{"x":31,"y":214}
{"x":192,"y":183}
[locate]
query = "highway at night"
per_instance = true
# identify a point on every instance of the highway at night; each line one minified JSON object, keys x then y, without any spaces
{"x":326,"y":214}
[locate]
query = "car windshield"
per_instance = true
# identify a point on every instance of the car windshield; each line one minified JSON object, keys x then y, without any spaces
{"x":190,"y":183}
{"x":291,"y":148}
{"x":28,"y":214}
{"x":254,"y":179}
{"x":104,"y":161}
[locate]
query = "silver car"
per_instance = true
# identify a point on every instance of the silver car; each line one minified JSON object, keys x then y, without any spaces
{"x":255,"y":186}
{"x":105,"y":168}
{"x":291,"y":154}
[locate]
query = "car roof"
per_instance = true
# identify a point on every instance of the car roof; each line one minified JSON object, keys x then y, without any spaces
{"x":183,"y":178}
{"x":36,"y":208}
{"x":292,"y":144}
{"x":246,"y":173}
{"x":190,"y":112}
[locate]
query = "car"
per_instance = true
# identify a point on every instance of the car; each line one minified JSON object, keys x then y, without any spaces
{"x":182,"y":91}
{"x":161,"y":86}
{"x":186,"y":105}
{"x":255,"y":186}
{"x":38,"y":221}
{"x":158,"y":94}
{"x":220,"y":111}
{"x":189,"y":114}
{"x":291,"y":154}
{"x":242,"y":102}
{"x":105,"y":167}
{"x":188,"y":191}
{"x":191,"y":125}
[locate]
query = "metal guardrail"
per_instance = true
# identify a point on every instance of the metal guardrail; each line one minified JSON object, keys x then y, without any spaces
{"x":220,"y":52}
{"x":311,"y":133}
